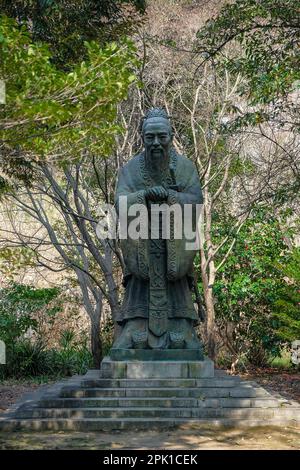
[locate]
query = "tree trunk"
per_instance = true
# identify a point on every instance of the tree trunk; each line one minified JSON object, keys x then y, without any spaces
{"x":210,"y":322}
{"x":207,"y":282}
{"x":96,"y":344}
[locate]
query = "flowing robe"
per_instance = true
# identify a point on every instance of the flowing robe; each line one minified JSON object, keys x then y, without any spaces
{"x":159,"y":273}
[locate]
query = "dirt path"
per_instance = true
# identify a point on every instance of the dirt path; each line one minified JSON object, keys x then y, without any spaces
{"x":12,"y":393}
{"x":189,"y":437}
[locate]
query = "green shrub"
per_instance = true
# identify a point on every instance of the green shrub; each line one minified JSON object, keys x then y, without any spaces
{"x":282,"y":361}
{"x":18,"y":303}
{"x":287,"y":307}
{"x":26,"y":359}
{"x":249,"y":284}
{"x":72,"y":357}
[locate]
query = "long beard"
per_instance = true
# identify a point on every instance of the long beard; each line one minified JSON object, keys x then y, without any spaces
{"x":157,"y":166}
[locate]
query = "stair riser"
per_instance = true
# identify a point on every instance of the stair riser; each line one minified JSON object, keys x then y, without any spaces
{"x":161,"y":383}
{"x":161,"y":413}
{"x":161,"y":393}
{"x":157,"y":403}
{"x":116,"y":403}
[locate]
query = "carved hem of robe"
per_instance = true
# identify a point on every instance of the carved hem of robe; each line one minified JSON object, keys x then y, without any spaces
{"x":136,"y":300}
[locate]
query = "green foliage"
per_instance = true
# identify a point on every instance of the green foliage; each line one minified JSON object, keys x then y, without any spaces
{"x":54,"y":115}
{"x":31,"y":359}
{"x":249,"y":284}
{"x":268,"y":59}
{"x":28,"y":357}
{"x":72,"y":357}
{"x":287,"y":306}
{"x":18,"y":303}
{"x":259,"y":41}
{"x":283,"y":361}
{"x":12,"y":260}
{"x":67,"y":24}
{"x":25,"y":359}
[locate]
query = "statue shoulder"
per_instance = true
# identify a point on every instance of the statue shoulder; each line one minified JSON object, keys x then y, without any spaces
{"x":185,"y":164}
{"x":132,"y":164}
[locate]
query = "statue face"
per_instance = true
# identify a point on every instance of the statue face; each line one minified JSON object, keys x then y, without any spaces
{"x":157,"y":138}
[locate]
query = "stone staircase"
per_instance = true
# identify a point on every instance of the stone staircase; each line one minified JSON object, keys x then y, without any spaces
{"x":108,"y":400}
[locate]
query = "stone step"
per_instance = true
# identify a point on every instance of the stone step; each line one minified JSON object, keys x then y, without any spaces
{"x":122,"y":402}
{"x":87,"y":403}
{"x":194,"y":392}
{"x":119,"y":402}
{"x":145,"y":413}
{"x":162,"y":383}
{"x":105,"y":424}
{"x":218,"y":373}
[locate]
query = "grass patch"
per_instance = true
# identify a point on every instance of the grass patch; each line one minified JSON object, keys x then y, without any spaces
{"x":283,"y":361}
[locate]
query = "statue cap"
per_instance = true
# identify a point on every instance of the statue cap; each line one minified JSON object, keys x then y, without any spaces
{"x":155,"y":113}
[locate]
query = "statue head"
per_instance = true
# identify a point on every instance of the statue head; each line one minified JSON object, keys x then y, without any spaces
{"x":157,"y":134}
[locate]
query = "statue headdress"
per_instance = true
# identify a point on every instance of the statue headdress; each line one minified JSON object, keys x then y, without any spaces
{"x":153,"y":113}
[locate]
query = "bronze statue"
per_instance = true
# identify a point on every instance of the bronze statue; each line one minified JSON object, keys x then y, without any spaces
{"x":158,"y":311}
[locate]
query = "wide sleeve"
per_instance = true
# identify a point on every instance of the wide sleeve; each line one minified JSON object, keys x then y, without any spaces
{"x":188,"y":194}
{"x":135,"y":251}
{"x":189,"y":189}
{"x":126,"y":187}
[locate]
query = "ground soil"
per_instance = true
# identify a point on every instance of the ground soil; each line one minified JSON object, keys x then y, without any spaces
{"x":276,"y":381}
{"x":11,"y":393}
{"x":189,"y":437}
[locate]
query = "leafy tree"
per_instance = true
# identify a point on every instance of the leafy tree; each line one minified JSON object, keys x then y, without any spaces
{"x":269,"y":33}
{"x":287,"y":306}
{"x":65,"y":25}
{"x":53,"y":114}
{"x":56,"y":129}
{"x":13,"y":259}
{"x":18,"y":303}
{"x":258,"y":41}
{"x":248,"y":286}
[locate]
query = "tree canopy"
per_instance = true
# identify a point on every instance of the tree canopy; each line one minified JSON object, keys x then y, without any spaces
{"x":53,"y":114}
{"x":65,"y":25}
{"x":267,"y":35}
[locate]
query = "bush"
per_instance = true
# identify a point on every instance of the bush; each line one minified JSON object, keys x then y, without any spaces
{"x":249,"y":285}
{"x":29,"y":359}
{"x":26,"y":359}
{"x":26,"y":356}
{"x":18,"y":303}
{"x":282,"y":361}
{"x":287,"y":307}
{"x":72,"y":357}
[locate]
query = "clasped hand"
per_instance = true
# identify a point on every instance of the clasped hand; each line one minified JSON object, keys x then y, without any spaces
{"x":157,"y":193}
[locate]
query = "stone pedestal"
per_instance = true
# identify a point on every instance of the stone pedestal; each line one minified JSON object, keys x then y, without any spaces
{"x":156,"y":369}
{"x":156,"y":355}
